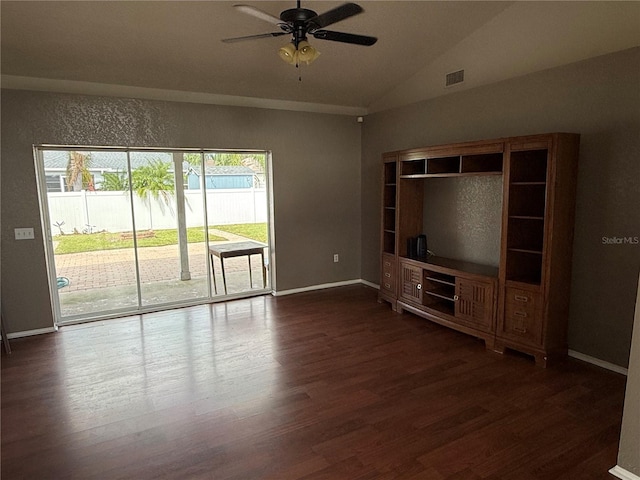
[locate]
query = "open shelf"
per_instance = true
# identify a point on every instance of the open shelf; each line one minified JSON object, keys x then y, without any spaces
{"x":413,"y":167}
{"x":527,"y":200}
{"x":444,"y":281}
{"x":524,"y":234}
{"x":529,"y":166}
{"x":482,"y":163}
{"x":453,"y":166}
{"x":524,"y":266}
{"x":389,"y":195}
{"x":389,"y":205}
{"x":389,"y":239}
{"x":390,"y":173}
{"x":448,"y":308}
{"x":439,"y":294}
{"x":389,"y":219}
{"x":443,"y":165}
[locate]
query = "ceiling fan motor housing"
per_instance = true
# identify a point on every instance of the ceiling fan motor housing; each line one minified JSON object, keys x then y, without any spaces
{"x":294,"y":15}
{"x":296,"y":23}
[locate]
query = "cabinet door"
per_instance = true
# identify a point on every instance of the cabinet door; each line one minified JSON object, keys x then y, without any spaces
{"x":388,"y":279}
{"x":474,"y":303}
{"x":522,"y":317}
{"x":411,"y":286}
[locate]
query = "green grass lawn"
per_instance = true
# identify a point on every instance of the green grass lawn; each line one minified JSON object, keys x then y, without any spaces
{"x":76,"y":243}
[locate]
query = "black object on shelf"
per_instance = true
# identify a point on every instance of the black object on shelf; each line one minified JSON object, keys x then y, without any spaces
{"x":421,"y":246}
{"x":412,"y":247}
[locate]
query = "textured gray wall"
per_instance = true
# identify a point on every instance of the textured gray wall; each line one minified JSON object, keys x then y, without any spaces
{"x":462,"y":218}
{"x":316,"y":171}
{"x":597,"y":98}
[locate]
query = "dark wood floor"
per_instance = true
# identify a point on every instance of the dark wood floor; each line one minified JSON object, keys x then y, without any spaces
{"x":322,"y":385}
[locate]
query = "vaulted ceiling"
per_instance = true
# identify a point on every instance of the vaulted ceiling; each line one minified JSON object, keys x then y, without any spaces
{"x":173,"y":49}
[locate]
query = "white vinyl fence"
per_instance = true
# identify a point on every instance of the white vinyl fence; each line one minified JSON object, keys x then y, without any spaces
{"x":111,"y":211}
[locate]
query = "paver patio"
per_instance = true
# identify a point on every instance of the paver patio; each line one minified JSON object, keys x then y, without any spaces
{"x":106,"y":279}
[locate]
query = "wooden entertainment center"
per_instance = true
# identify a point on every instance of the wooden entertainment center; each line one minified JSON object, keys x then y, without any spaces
{"x":522,"y":303}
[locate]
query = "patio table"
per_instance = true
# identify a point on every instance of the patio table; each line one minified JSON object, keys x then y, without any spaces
{"x":237,"y":249}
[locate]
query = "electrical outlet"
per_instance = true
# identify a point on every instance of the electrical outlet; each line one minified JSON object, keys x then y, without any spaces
{"x":24,"y":233}
{"x":336,"y":258}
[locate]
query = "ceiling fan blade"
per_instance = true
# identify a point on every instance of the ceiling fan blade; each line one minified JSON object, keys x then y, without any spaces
{"x":253,"y":37}
{"x":256,"y":12}
{"x":334,"y":15}
{"x":344,"y":37}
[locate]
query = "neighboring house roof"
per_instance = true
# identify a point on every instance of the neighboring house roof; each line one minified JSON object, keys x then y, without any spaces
{"x":112,"y":161}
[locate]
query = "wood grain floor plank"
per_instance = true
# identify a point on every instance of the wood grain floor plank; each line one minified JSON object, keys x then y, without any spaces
{"x":319,"y":385}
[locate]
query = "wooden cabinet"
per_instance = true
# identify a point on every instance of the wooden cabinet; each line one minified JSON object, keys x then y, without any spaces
{"x":522,"y":303}
{"x":443,"y":292}
{"x":537,"y":238}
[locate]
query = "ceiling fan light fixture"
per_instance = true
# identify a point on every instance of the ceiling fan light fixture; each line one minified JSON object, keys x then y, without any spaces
{"x":288,"y":53}
{"x":307,"y":53}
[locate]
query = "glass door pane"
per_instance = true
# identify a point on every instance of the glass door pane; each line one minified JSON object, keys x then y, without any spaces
{"x":171,"y":256}
{"x":89,"y":214}
{"x":237,"y":216}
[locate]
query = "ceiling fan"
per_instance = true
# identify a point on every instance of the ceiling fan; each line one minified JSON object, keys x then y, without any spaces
{"x":300,"y":22}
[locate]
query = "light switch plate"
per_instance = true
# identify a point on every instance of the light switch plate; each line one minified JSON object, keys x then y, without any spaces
{"x":24,"y":234}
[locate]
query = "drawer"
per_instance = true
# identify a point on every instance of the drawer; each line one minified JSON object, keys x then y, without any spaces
{"x":388,"y":286}
{"x":388,"y":276}
{"x":522,"y":299}
{"x":523,"y":316}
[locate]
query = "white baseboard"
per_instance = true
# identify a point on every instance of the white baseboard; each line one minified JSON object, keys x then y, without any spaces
{"x":623,"y":474}
{"x":370,"y":284}
{"x":29,"y":333}
{"x":598,"y":362}
{"x":316,"y":287}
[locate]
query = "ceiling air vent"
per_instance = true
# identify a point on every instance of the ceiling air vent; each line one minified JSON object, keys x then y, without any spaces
{"x":454,"y":78}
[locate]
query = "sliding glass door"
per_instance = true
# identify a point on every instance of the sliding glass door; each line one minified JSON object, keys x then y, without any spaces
{"x":130,"y":230}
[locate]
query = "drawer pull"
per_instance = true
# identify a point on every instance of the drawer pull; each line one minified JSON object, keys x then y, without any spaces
{"x":521,"y":298}
{"x":521,"y":314}
{"x":520,"y":329}
{"x":456,"y":298}
{"x":387,"y":264}
{"x":419,"y":287}
{"x":387,"y":286}
{"x":387,"y":275}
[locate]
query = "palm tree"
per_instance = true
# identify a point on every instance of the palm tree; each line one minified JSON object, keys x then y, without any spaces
{"x":154,"y":179}
{"x":115,"y":181}
{"x":78,"y":175}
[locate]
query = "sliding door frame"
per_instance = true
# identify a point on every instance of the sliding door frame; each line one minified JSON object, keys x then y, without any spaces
{"x":141,"y":309}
